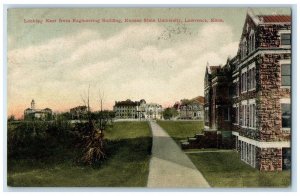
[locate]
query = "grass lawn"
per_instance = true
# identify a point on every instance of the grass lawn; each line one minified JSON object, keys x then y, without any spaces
{"x":128,"y":145}
{"x":180,"y":130}
{"x":224,"y":169}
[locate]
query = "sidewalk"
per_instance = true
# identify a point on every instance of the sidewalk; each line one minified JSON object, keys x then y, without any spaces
{"x":169,"y":165}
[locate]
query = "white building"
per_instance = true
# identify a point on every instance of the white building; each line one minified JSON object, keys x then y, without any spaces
{"x":150,"y":110}
{"x":137,"y":110}
{"x":33,"y":113}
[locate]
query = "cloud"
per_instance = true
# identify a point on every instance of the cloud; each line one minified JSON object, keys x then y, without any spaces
{"x":132,"y":63}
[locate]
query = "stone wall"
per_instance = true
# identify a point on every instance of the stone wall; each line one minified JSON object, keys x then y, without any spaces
{"x":268,"y":36}
{"x":269,"y":95}
{"x":269,"y":159}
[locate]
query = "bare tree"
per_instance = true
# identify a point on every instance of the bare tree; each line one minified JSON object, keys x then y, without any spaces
{"x":94,"y":150}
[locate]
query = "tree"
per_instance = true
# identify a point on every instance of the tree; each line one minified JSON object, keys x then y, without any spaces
{"x":93,"y":144}
{"x":169,"y":113}
{"x":11,"y":118}
{"x":185,"y":102}
{"x":64,"y":116}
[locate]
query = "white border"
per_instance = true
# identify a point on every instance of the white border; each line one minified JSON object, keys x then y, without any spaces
{"x":213,"y":3}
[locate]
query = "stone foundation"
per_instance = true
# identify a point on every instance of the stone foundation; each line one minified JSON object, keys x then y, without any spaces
{"x":269,"y":159}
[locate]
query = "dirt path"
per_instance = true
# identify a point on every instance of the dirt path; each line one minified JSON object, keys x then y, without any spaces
{"x":169,"y":165}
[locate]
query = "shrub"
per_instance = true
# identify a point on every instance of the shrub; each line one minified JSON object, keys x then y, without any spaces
{"x":38,"y":139}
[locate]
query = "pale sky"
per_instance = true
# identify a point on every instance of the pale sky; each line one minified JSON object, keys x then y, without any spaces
{"x":54,"y":63}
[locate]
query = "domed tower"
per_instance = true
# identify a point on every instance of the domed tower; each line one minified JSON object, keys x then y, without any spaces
{"x":33,"y":104}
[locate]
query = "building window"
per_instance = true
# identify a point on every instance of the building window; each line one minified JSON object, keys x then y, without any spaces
{"x":252,"y":115}
{"x":237,"y":89}
{"x":286,"y":74}
{"x":206,"y":96}
{"x":231,"y":90}
{"x":286,"y":115}
{"x":241,"y":116}
{"x":236,"y":114}
{"x":244,"y":115}
{"x":243,"y":49}
{"x":206,"y":114}
{"x":252,"y":78}
{"x":251,"y":41}
{"x":227,"y":114}
{"x":244,"y":82}
{"x":285,"y":39}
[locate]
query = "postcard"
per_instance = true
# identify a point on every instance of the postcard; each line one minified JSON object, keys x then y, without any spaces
{"x":137,"y":97}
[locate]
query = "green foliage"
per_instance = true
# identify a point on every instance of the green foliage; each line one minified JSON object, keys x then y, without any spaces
{"x":31,"y":117}
{"x":105,"y":114}
{"x":93,"y":115}
{"x":169,"y":113}
{"x":37,"y":139}
{"x":186,"y":101}
{"x":64,"y":116}
{"x":11,"y":118}
{"x":127,"y":165}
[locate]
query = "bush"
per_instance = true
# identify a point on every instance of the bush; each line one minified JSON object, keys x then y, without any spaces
{"x":38,"y":139}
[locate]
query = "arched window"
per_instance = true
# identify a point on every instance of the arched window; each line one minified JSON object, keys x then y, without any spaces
{"x":251,"y":41}
{"x":244,"y":48}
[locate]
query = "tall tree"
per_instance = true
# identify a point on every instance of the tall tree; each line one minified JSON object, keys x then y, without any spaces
{"x":94,"y":150}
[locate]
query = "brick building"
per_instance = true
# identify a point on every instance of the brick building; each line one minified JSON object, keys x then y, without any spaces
{"x":247,"y":100}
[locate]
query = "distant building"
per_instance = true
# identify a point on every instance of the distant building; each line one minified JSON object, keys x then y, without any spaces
{"x":191,"y":109}
{"x":78,"y":112}
{"x":33,"y":113}
{"x":126,"y":109}
{"x":150,"y":110}
{"x":137,"y":110}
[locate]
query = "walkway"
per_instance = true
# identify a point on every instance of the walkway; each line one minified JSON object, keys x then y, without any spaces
{"x":169,"y":165}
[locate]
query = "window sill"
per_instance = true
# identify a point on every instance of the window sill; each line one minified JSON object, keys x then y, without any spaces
{"x":285,"y":87}
{"x":252,"y":89}
{"x":285,"y":46}
{"x":246,"y":127}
